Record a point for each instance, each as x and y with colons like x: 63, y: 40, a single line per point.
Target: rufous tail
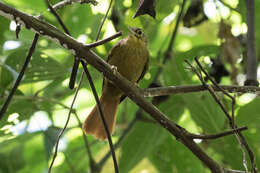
x: 93, y: 123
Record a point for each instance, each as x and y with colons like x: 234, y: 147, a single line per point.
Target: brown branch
x: 215, y: 136
x: 168, y: 90
x: 103, y: 21
x: 100, y: 42
x: 69, y: 2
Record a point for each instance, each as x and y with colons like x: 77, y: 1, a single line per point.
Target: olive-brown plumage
x: 130, y: 56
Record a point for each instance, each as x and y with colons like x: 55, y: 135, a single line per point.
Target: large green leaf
x: 12, y: 153
x: 172, y: 156
x: 145, y: 137
x: 12, y: 161
x: 4, y: 27
x: 25, y: 108
x: 81, y: 20
x: 230, y: 150
x: 50, y: 138
x: 140, y: 142
x: 28, y: 5
x: 205, y: 112
x: 40, y: 67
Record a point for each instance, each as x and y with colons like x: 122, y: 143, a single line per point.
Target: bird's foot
x: 114, y: 69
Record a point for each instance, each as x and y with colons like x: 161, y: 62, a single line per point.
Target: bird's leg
x: 114, y: 69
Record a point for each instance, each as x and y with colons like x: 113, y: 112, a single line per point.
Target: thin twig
x: 64, y: 128
x: 51, y: 140
x: 216, y: 85
x: 235, y: 171
x: 100, y: 42
x: 211, y: 91
x: 20, y: 76
x: 103, y: 21
x: 168, y: 90
x: 69, y: 2
x: 101, y: 115
x: 57, y: 17
x: 232, y: 120
x: 215, y: 136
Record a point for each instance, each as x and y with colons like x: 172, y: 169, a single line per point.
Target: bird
x: 130, y: 57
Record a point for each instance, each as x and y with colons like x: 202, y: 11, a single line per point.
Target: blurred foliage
x: 39, y: 108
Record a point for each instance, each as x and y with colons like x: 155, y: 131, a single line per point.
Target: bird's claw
x: 114, y: 69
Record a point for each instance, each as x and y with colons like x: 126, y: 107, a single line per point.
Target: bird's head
x: 138, y: 34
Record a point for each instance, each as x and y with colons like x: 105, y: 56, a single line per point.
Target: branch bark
x: 168, y: 90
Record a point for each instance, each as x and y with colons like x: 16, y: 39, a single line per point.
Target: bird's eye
x: 139, y: 32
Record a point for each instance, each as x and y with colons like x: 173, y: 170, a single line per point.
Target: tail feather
x: 93, y: 123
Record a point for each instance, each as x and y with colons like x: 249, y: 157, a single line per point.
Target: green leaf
x: 40, y: 67
x: 140, y: 142
x: 50, y: 138
x: 12, y: 161
x: 145, y: 137
x: 25, y: 108
x: 6, y: 77
x: 4, y: 27
x: 205, y: 112
x: 34, y: 155
x: 80, y: 17
x: 172, y: 156
x: 28, y: 5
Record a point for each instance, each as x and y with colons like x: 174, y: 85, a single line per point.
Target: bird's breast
x: 133, y: 58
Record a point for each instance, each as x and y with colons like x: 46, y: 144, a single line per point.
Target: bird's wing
x: 110, y: 54
x: 146, y: 66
